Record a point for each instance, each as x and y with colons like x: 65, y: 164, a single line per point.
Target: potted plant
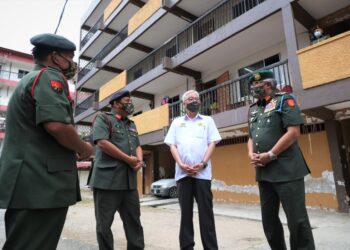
x: 214, y: 107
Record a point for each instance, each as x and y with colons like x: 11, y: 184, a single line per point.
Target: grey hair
x: 187, y: 93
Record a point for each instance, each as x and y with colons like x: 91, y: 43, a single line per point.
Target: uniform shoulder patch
x: 291, y: 102
x: 56, y: 86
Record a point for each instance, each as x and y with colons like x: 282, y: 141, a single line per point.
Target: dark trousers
x: 188, y: 189
x: 127, y: 203
x: 292, y: 197
x: 33, y: 229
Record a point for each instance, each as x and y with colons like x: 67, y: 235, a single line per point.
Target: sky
x: 22, y: 19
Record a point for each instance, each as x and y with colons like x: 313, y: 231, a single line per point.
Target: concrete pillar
x: 334, y: 136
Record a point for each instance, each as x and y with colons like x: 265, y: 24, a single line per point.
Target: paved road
x: 238, y: 227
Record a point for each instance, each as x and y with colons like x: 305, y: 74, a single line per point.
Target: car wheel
x: 173, y: 192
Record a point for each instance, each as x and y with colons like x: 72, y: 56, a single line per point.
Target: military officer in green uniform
x: 38, y: 174
x: 118, y: 158
x: 274, y: 127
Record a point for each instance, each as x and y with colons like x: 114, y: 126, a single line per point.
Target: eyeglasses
x: 191, y: 99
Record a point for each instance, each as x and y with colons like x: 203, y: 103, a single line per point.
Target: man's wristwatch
x: 272, y: 156
x: 205, y: 164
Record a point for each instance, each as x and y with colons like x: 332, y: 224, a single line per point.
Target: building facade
x: 158, y: 49
x: 13, y: 66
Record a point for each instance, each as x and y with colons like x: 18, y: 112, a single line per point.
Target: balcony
x: 202, y: 27
x: 232, y: 94
x: 152, y: 120
x: 326, y: 61
x: 87, y: 103
x: 93, y: 63
x: 112, y: 86
x: 98, y: 25
x: 143, y: 14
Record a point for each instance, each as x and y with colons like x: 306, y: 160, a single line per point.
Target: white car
x: 164, y: 187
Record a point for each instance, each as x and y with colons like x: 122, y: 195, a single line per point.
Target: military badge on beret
x: 56, y: 86
x: 257, y: 77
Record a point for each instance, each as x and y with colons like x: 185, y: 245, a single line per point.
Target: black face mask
x: 258, y: 92
x: 128, y: 108
x: 193, y: 106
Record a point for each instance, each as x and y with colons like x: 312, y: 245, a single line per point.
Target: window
x: 22, y: 73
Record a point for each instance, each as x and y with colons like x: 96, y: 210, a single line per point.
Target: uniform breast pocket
x: 117, y: 135
x: 252, y: 121
x: 133, y: 137
x: 271, y: 119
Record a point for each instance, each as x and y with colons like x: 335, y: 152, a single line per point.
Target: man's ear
x: 54, y: 56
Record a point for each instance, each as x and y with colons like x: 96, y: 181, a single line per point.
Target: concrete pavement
x: 331, y: 229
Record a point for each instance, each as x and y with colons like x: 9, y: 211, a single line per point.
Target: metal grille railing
x: 86, y: 104
x: 152, y: 60
x: 202, y: 27
x: 91, y: 32
x: 215, y: 19
x: 104, y: 52
x: 233, y: 93
x: 84, y: 131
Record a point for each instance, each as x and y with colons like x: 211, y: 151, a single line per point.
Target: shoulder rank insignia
x: 56, y: 86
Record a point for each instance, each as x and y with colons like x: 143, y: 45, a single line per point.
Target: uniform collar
x: 266, y: 100
x: 118, y: 116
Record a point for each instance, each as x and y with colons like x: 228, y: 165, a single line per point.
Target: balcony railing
x: 152, y: 60
x: 86, y: 104
x: 120, y: 37
x: 212, y: 21
x: 202, y: 27
x: 91, y: 32
x: 233, y: 93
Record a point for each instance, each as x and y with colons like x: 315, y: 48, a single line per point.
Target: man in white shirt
x: 192, y: 139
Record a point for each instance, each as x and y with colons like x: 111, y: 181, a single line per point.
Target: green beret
x: 119, y: 95
x: 52, y: 41
x: 261, y: 75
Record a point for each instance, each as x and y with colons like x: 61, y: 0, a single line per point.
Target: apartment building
x: 13, y: 66
x: 158, y: 49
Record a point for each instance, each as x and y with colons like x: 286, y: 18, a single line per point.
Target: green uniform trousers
x: 291, y: 195
x: 127, y: 203
x: 33, y: 229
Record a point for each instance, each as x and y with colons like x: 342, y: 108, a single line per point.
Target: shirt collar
x: 198, y: 116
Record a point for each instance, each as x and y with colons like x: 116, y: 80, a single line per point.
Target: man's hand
x: 139, y: 165
x: 188, y: 169
x: 254, y: 159
x: 132, y: 161
x: 197, y: 167
x: 264, y: 158
x: 259, y: 160
x: 86, y: 151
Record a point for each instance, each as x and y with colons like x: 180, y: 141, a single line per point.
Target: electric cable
x: 59, y: 21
